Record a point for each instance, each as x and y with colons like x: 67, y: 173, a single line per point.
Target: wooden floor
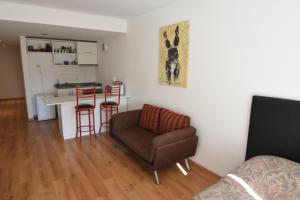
x: 35, y: 163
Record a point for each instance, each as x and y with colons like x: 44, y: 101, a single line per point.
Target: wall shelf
x: 66, y: 52
x: 39, y: 45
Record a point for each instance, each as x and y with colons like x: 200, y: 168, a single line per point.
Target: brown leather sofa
x: 158, y: 150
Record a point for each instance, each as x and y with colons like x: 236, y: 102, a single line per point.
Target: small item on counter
x: 30, y: 48
x: 48, y: 48
x: 117, y: 83
x: 66, y: 62
x: 73, y: 62
x: 39, y: 47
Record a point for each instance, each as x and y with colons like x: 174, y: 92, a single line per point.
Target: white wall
x: 238, y: 48
x: 43, y: 74
x: 26, y: 77
x: 114, y: 60
x: 11, y: 79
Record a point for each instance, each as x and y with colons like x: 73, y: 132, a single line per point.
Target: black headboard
x: 274, y: 128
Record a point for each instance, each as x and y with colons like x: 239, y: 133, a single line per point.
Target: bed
x: 271, y: 170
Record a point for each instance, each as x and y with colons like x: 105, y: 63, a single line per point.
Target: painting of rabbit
x: 174, y: 54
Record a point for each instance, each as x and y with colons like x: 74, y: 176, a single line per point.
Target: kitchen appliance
x: 44, y: 112
x: 122, y: 92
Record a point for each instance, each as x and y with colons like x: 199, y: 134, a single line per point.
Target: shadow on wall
x: 11, y: 77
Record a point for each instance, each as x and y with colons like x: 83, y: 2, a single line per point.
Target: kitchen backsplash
x: 75, y: 74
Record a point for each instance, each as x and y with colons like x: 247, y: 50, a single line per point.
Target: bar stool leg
x: 93, y: 119
x: 110, y: 114
x: 106, y: 118
x: 80, y: 131
x: 100, y: 119
x: 89, y: 114
x: 76, y: 124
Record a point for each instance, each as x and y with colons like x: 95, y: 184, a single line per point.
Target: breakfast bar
x: 67, y: 117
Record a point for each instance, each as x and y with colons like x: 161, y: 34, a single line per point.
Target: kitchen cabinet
x: 64, y: 52
x: 87, y: 53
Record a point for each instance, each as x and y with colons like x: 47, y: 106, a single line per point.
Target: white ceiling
x: 11, y: 31
x: 114, y: 8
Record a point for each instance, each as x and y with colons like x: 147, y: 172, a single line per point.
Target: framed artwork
x: 174, y: 54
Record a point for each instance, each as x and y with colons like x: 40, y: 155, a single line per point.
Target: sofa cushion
x: 170, y: 121
x: 150, y: 118
x: 137, y: 139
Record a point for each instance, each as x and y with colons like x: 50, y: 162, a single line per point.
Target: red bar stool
x: 110, y: 106
x: 85, y: 109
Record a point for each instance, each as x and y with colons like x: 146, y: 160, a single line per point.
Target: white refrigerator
x: 44, y: 112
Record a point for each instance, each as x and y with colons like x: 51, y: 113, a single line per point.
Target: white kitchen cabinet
x: 87, y: 53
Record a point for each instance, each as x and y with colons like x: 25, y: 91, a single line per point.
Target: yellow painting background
x: 183, y: 49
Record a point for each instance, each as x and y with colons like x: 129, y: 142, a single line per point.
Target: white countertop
x: 49, y: 101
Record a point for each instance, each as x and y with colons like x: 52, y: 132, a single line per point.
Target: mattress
x: 262, y: 177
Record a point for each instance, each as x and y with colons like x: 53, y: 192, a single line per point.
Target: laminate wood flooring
x: 36, y: 164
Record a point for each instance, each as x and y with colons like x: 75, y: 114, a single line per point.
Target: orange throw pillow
x: 170, y: 121
x: 150, y: 118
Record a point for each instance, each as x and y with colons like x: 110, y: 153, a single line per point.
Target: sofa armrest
x: 124, y: 119
x: 171, y: 137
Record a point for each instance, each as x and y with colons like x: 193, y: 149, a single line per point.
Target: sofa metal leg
x: 157, y: 182
x: 186, y: 161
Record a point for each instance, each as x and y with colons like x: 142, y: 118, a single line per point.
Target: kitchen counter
x: 67, y: 117
x: 50, y: 101
x: 69, y: 89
